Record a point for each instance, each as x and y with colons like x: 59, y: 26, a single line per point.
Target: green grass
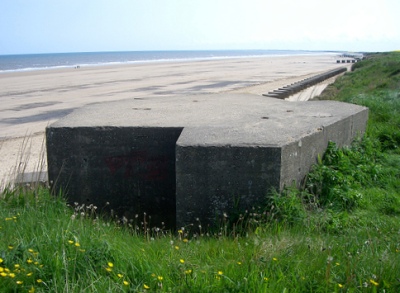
x: 340, y: 233
x: 43, y: 239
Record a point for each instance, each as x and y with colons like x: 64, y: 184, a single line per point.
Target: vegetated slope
x: 374, y: 83
x: 363, y: 179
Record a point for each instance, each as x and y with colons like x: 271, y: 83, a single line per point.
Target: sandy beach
x: 32, y: 100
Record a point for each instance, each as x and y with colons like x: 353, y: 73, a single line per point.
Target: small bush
x: 336, y: 180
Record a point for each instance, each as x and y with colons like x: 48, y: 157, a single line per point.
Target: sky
x: 56, y: 26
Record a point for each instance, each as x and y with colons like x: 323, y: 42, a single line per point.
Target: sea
x: 30, y: 62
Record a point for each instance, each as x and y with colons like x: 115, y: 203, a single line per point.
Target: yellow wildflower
x: 19, y: 282
x: 220, y: 273
x: 160, y: 278
x: 29, y: 261
x: 1, y: 260
x: 274, y: 259
x: 182, y: 260
x: 29, y: 274
x: 188, y: 272
x: 3, y: 274
x: 31, y: 290
x: 77, y: 244
x: 110, y: 264
x: 373, y: 282
x: 146, y: 287
x: 39, y: 281
x: 11, y: 275
x: 126, y: 283
x: 120, y: 275
x: 70, y: 242
x: 340, y: 285
x: 177, y: 247
x: 185, y: 240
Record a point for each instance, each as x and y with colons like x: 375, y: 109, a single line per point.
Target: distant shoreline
x: 38, y: 62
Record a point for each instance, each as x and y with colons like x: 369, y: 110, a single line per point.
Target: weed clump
x: 341, y: 174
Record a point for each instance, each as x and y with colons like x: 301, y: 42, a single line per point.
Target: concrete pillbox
x: 187, y: 157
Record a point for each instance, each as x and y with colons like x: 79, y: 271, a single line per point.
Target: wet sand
x: 32, y: 100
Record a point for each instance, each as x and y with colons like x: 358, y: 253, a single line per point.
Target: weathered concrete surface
x: 190, y: 157
x: 132, y: 169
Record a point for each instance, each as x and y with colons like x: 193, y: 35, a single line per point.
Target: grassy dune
x: 340, y: 233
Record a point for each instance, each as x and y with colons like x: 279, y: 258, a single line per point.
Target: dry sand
x: 32, y: 100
